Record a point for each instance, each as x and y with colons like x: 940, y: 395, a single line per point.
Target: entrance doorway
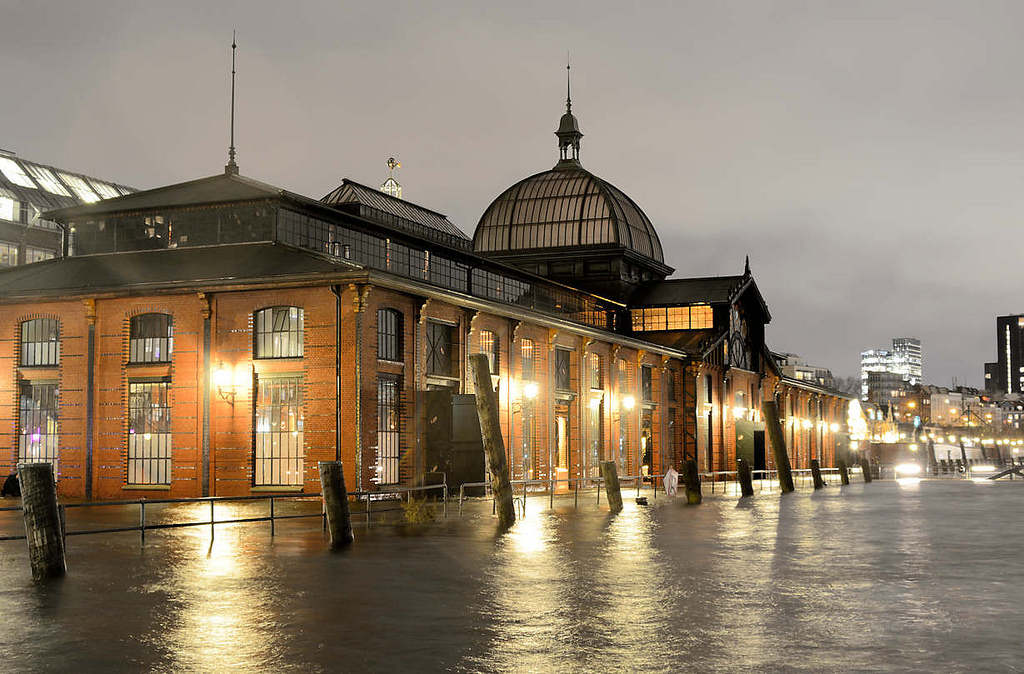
x: 759, y: 459
x: 563, y: 454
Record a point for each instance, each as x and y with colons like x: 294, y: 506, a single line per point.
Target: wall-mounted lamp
x: 224, y: 381
x: 628, y: 402
x: 530, y: 390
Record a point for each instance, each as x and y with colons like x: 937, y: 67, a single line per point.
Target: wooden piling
x: 611, y: 485
x: 339, y: 522
x: 844, y: 472
x: 816, y: 474
x: 770, y: 412
x: 42, y: 520
x: 692, y: 478
x: 746, y: 480
x: 865, y: 468
x: 494, y: 444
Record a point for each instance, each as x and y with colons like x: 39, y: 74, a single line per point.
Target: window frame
x: 297, y: 448
x: 437, y: 358
x: 263, y: 338
x: 39, y: 417
x: 34, y: 327
x: 145, y: 344
x: 156, y: 453
x: 390, y: 335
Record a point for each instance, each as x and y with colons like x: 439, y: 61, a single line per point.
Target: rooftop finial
x: 746, y: 267
x: 391, y: 186
x: 568, y: 85
x: 232, y: 167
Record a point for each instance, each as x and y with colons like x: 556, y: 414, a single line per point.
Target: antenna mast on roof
x: 232, y: 168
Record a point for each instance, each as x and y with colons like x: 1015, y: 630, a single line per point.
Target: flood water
x: 921, y: 576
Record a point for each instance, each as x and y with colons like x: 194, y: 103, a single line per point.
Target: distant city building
x: 904, y: 359
x: 1006, y: 375
x: 27, y: 189
x: 794, y: 367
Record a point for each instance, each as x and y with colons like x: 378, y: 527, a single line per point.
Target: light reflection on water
x: 881, y: 576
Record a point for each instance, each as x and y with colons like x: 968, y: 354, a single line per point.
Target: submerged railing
x: 272, y: 516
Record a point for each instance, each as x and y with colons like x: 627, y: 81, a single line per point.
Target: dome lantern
x: 568, y: 133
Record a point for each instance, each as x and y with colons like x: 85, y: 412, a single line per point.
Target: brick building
x: 221, y: 336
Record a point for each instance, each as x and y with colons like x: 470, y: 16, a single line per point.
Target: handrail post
x: 368, y: 501
x: 551, y: 494
x: 272, y: 516
x: 445, y: 497
x: 211, y: 521
x: 576, y: 497
x: 142, y: 520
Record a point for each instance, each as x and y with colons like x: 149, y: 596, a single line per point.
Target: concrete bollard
x: 772, y: 423
x: 42, y: 520
x: 816, y: 474
x: 746, y: 480
x: 494, y: 444
x: 866, y: 469
x: 339, y: 520
x: 692, y: 478
x: 844, y: 473
x: 611, y: 485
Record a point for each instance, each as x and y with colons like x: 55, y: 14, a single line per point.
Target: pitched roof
x: 709, y: 289
x: 168, y: 267
x: 404, y: 214
x: 213, y: 189
x: 47, y: 187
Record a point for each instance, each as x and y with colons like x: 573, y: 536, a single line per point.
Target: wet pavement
x: 913, y: 576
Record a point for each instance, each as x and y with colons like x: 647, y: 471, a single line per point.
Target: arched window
x: 40, y: 342
x: 278, y: 333
x: 489, y: 345
x: 389, y: 335
x: 150, y: 339
x: 529, y: 353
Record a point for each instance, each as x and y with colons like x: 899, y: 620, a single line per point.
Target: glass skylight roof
x: 14, y: 173
x: 80, y: 187
x: 47, y: 180
x: 106, y: 191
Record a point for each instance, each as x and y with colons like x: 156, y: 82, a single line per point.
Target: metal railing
x: 573, y: 486
x: 272, y: 516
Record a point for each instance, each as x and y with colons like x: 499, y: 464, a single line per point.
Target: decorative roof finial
x: 232, y: 167
x: 746, y: 267
x: 391, y: 186
x: 568, y: 128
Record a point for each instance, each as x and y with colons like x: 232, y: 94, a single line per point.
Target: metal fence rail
x: 272, y: 516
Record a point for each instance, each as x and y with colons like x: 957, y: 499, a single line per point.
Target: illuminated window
x: 389, y: 430
x: 529, y: 353
x: 389, y: 335
x: 596, y: 371
x: 13, y: 172
x: 279, y: 333
x: 47, y: 180
x: 149, y: 433
x: 8, y: 254
x: 701, y: 317
x: 79, y: 187
x: 696, y: 317
x: 33, y: 254
x: 678, y: 318
x: 489, y: 345
x: 6, y: 208
x: 150, y: 339
x: 279, y: 450
x: 104, y: 190
x: 646, y: 382
x: 40, y: 342
x: 562, y: 379
x: 37, y: 423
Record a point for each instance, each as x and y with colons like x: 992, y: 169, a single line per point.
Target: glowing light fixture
x: 908, y: 469
x: 628, y: 402
x: 530, y: 390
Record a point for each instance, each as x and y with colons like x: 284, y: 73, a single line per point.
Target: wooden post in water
x: 692, y: 477
x: 844, y: 472
x: 42, y: 520
x: 816, y: 474
x: 611, y: 485
x: 865, y: 468
x: 770, y: 412
x: 494, y: 444
x: 746, y: 481
x: 339, y: 522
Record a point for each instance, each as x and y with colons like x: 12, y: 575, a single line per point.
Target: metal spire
x: 232, y: 167
x: 568, y: 85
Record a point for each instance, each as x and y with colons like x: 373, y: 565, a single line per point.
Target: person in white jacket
x: 671, y: 482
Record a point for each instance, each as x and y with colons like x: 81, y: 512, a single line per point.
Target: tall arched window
x: 389, y: 335
x: 150, y: 339
x: 489, y: 346
x: 278, y: 333
x: 40, y: 342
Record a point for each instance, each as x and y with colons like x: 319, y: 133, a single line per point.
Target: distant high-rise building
x: 904, y: 359
x: 1006, y: 375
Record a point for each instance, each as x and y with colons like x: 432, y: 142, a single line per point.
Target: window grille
x: 440, y: 349
x: 8, y: 254
x: 149, y: 433
x: 596, y: 371
x: 37, y: 423
x: 389, y: 335
x: 489, y: 345
x: 279, y: 333
x: 646, y: 383
x: 670, y: 382
x: 389, y: 430
x: 279, y: 448
x: 150, y: 339
x: 40, y: 342
x: 529, y: 364
x: 562, y: 379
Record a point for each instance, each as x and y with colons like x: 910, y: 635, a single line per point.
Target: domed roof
x: 567, y: 206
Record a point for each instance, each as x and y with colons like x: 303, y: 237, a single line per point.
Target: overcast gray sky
x: 866, y: 155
